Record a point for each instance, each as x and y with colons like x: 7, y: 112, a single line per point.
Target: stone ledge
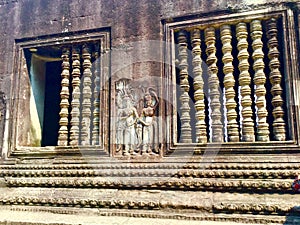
x: 153, y: 201
x: 152, y: 183
x: 66, y: 216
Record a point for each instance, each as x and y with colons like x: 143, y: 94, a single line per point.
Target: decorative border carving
x: 252, y: 208
x: 138, y: 166
x: 255, y: 186
x: 254, y: 219
x: 177, y: 173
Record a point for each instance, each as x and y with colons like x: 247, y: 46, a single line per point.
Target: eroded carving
x: 136, y: 130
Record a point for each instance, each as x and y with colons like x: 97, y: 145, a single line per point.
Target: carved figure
x: 149, y: 143
x: 127, y: 135
x: 127, y: 117
x: 136, y: 126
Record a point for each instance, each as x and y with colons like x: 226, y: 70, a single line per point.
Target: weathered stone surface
x: 230, y: 184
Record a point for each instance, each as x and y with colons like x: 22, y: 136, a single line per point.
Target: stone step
x: 163, y: 202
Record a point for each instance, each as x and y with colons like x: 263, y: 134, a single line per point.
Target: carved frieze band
x: 140, y: 213
x: 252, y: 208
x: 256, y: 186
x: 117, y: 172
x: 278, y: 167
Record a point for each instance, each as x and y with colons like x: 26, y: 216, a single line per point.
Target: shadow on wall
x: 294, y: 216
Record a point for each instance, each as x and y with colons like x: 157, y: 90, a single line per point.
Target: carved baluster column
x: 229, y: 82
x: 259, y: 81
x: 244, y: 83
x: 275, y: 79
x: 75, y: 103
x: 201, y: 135
x: 64, y: 96
x: 86, y: 95
x: 96, y: 103
x: 184, y: 88
x: 213, y: 83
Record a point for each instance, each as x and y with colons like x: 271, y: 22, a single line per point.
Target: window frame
x: 290, y: 77
x: 102, y: 36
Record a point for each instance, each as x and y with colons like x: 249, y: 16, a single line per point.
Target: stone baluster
x: 75, y: 103
x: 213, y: 84
x: 259, y: 81
x: 229, y: 82
x: 86, y: 96
x: 201, y: 136
x: 244, y: 83
x: 184, y: 88
x: 64, y: 96
x: 96, y: 103
x: 275, y: 79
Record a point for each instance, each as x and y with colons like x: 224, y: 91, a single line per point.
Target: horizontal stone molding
x: 253, y: 219
x: 184, y: 164
x: 157, y: 172
x: 227, y: 185
x: 235, y: 208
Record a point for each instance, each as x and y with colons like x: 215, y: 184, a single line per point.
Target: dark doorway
x: 51, y: 105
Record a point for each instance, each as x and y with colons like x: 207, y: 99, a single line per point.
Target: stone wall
x: 130, y: 21
x: 136, y: 28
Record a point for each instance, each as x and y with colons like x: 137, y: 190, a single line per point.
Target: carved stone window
x: 234, y: 75
x: 60, y: 94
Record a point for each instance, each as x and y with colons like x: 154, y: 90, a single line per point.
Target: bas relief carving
x: 136, y: 126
